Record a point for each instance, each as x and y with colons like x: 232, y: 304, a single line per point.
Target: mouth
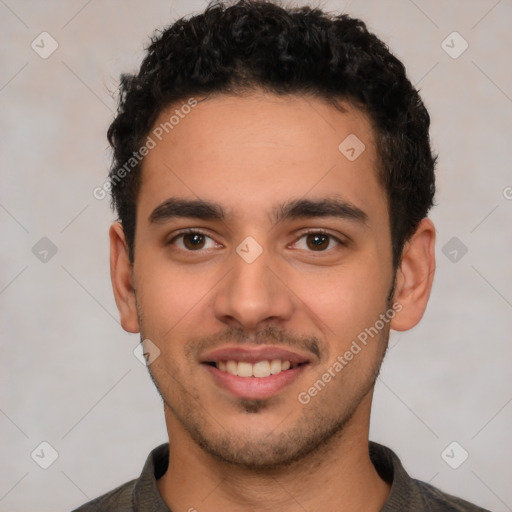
x: 254, y: 373
x: 259, y: 370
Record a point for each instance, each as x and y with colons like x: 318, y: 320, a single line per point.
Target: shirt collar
x: 146, y: 495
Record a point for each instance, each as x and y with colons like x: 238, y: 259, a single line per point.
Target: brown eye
x: 194, y: 241
x: 317, y: 241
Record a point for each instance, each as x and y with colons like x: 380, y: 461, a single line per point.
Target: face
x: 262, y: 252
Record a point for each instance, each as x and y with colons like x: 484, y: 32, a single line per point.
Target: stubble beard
x: 310, y: 436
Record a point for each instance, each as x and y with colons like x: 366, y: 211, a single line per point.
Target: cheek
x: 347, y: 301
x: 168, y: 297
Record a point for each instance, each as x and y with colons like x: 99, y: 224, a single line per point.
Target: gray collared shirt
x: 407, y: 494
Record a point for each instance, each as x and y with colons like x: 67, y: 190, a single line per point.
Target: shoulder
x: 118, y: 500
x: 407, y: 493
x: 433, y: 499
x: 137, y: 494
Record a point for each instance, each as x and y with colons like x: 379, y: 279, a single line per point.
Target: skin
x: 250, y: 156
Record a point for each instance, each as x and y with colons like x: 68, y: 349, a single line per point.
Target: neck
x: 340, y: 472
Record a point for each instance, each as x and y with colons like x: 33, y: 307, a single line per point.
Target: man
x: 272, y: 176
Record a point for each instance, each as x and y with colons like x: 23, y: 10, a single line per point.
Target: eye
x: 317, y: 241
x: 193, y: 241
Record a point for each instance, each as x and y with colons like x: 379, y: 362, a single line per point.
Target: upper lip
x: 253, y: 355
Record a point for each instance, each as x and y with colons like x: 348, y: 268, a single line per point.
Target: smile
x: 260, y: 369
x: 254, y: 372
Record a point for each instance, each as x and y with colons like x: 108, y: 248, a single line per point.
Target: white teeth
x: 260, y: 369
x: 244, y: 369
x: 275, y: 366
x: 232, y: 367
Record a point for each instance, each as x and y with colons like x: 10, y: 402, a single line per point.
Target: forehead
x: 259, y: 150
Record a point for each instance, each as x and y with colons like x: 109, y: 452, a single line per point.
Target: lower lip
x: 255, y: 388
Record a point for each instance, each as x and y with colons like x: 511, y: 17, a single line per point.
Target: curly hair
x: 258, y: 45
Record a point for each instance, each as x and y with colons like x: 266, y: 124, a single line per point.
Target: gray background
x: 69, y: 376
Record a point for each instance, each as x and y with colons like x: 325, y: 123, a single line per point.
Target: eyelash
x: 339, y: 242
x: 190, y: 231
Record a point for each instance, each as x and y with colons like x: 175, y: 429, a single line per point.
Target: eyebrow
x: 173, y: 208
x: 307, y: 208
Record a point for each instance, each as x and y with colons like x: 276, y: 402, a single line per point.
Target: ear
x: 121, y: 275
x: 414, y: 277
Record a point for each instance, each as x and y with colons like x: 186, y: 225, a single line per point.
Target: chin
x: 265, y: 449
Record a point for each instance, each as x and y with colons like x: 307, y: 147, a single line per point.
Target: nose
x: 253, y: 296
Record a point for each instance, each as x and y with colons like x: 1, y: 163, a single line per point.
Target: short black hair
x: 256, y: 45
